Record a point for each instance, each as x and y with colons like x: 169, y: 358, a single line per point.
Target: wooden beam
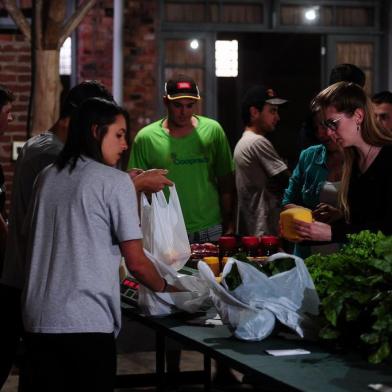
x: 18, y: 17
x: 75, y: 19
x: 56, y: 14
x: 38, y: 24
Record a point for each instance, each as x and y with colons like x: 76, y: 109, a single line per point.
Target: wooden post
x: 47, y: 89
x: 51, y: 30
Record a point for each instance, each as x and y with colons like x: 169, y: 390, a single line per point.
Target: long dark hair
x: 6, y: 96
x: 87, y: 128
x: 79, y: 93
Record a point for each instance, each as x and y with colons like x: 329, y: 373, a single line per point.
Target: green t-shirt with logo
x: 194, y: 162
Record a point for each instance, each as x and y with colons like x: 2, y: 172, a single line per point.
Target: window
x: 327, y: 15
x: 66, y: 57
x: 214, y: 11
x: 183, y: 56
x: 360, y: 54
x: 226, y: 58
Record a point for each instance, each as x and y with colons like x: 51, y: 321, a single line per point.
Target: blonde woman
x: 366, y: 188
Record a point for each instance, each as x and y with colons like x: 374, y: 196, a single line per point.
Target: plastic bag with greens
x: 253, y: 301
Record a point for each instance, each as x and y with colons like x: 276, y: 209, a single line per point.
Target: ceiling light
x: 194, y: 44
x: 311, y: 14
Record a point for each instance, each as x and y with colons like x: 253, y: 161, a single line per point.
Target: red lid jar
x: 269, y: 240
x: 251, y: 245
x: 227, y: 246
x: 228, y: 242
x: 269, y: 244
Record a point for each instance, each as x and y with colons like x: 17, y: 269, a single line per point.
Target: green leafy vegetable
x: 233, y: 278
x: 278, y: 266
x: 355, y: 289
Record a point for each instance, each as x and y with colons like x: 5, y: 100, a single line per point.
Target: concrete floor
x: 144, y: 362
x: 136, y: 354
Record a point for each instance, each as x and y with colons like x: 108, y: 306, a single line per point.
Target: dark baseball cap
x: 181, y: 86
x: 257, y: 95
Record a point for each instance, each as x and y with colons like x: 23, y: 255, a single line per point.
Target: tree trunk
x: 47, y: 89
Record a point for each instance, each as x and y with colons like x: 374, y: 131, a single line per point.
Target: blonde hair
x: 347, y: 97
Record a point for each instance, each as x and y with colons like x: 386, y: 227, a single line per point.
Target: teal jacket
x: 308, y: 178
x: 305, y: 185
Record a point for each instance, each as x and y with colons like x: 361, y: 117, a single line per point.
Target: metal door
x: 362, y: 51
x: 193, y: 55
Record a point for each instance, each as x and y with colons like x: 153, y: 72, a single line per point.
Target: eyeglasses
x: 331, y: 124
x: 381, y: 116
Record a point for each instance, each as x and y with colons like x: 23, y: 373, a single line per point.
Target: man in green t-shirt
x: 195, y: 151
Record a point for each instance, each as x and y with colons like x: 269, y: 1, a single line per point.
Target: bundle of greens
x: 233, y: 278
x: 279, y: 265
x: 355, y: 290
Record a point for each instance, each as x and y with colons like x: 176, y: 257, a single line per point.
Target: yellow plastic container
x: 213, y: 263
x: 286, y: 221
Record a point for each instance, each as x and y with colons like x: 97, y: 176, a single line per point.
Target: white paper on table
x: 281, y: 353
x: 214, y: 321
x: 380, y: 387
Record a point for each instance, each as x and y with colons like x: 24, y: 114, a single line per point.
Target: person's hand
x: 326, y: 213
x: 172, y: 289
x: 314, y: 231
x: 149, y: 181
x: 134, y: 172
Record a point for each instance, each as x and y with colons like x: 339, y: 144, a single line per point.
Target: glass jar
x: 250, y: 245
x: 213, y: 263
x: 227, y: 248
x: 269, y: 244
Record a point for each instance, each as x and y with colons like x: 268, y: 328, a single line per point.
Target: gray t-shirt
x: 73, y: 254
x: 37, y: 153
x: 256, y: 160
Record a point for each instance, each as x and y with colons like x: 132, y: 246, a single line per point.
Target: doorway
x: 291, y: 65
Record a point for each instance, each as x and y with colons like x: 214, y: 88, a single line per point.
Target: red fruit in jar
x: 195, y: 246
x: 210, y: 246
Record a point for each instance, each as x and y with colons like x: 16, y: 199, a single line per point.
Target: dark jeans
x: 76, y: 362
x: 11, y: 328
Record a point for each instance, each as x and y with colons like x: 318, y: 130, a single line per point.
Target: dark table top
x: 321, y: 370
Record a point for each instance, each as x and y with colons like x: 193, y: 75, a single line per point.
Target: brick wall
x: 95, y: 39
x: 140, y: 62
x: 14, y: 74
x: 94, y: 61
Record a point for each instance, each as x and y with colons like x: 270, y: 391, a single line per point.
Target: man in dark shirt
x: 382, y: 105
x: 6, y: 99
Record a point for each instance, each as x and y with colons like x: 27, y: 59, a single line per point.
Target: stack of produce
x: 198, y: 251
x: 355, y: 290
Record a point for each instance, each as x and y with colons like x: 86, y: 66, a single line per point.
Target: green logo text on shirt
x: 190, y: 161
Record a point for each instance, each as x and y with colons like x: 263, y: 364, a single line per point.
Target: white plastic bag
x: 248, y: 322
x: 166, y: 244
x: 194, y: 295
x: 252, y: 307
x: 163, y: 227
